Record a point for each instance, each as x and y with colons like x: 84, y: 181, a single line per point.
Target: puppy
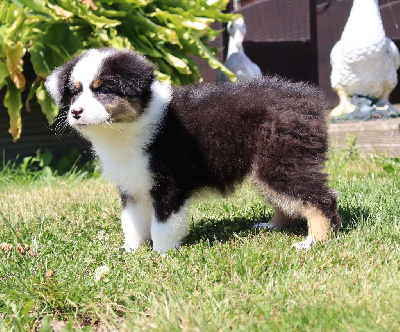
x: 161, y: 144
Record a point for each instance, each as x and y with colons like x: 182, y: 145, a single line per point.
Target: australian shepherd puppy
x: 160, y: 144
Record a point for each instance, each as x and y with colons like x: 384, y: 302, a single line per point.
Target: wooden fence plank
x: 379, y: 136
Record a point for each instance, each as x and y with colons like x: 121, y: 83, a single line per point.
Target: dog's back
x: 216, y: 135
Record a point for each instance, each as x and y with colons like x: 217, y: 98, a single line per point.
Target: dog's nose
x: 76, y: 113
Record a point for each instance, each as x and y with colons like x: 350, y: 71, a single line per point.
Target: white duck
x: 236, y: 60
x: 364, y: 61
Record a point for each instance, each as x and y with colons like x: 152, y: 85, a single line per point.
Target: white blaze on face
x: 84, y: 74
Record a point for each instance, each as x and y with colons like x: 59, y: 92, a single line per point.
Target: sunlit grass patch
x: 60, y: 262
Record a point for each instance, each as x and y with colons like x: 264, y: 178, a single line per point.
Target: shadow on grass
x: 223, y: 230
x: 353, y: 217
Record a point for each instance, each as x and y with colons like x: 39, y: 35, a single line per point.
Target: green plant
x: 44, y: 165
x: 40, y: 162
x: 168, y: 32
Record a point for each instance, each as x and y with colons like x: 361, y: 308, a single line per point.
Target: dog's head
x: 102, y: 85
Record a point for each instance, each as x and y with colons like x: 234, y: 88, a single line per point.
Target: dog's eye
x: 74, y: 91
x: 103, y: 91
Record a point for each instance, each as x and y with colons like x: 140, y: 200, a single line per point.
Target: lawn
x: 60, y: 265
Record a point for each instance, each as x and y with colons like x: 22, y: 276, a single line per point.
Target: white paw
x: 163, y: 248
x: 306, y: 244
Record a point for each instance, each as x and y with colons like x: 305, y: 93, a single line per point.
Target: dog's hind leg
x: 319, y: 208
x: 318, y: 226
x: 322, y: 219
x: 135, y: 221
x: 282, y: 220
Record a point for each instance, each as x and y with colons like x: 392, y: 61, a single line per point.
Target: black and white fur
x: 160, y: 144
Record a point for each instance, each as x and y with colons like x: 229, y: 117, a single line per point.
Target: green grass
x: 227, y: 276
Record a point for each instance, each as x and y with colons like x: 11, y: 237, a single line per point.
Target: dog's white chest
x: 128, y: 168
x: 122, y: 158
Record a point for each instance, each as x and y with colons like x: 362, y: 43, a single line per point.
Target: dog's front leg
x: 135, y: 221
x: 168, y: 234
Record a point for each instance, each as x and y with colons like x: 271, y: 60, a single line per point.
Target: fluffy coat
x: 160, y: 144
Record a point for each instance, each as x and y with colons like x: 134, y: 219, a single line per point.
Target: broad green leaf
x: 3, y: 11
x: 61, y: 11
x: 53, y: 47
x: 3, y: 72
x: 31, y: 94
x: 144, y: 46
x: 84, y: 12
x: 133, y: 3
x: 164, y: 67
x: 48, y: 107
x: 219, y: 3
x: 37, y: 6
x: 157, y: 31
x: 168, y: 32
x: 206, y: 54
x: 111, y: 38
x: 46, y: 327
x: 70, y: 326
x: 45, y: 159
x: 86, y: 329
x: 192, y: 69
x: 112, y: 13
x: 100, y: 21
x: 164, y: 77
x: 14, y: 54
x: 24, y: 313
x: 196, y: 25
x: 179, y: 64
x: 9, y: 13
x: 13, y: 21
x: 89, y: 16
x: 12, y: 101
x: 221, y: 16
x: 165, y: 16
x: 183, y: 19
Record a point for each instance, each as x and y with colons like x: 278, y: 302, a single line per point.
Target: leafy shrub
x: 168, y: 32
x: 44, y: 165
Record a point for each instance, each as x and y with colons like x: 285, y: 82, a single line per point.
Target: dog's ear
x: 132, y: 72
x: 57, y: 82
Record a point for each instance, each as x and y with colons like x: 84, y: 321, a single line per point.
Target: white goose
x: 364, y: 61
x: 236, y: 60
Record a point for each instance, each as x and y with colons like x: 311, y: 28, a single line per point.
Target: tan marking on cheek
x: 77, y: 86
x: 124, y: 110
x: 96, y: 84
